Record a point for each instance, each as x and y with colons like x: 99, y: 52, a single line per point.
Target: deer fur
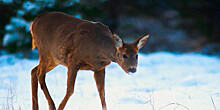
x: 79, y: 45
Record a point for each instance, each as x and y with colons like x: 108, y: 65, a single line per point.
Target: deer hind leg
x: 45, y: 66
x: 71, y: 77
x: 34, y: 87
x: 100, y: 83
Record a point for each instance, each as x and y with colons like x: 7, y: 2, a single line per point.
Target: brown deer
x: 79, y: 45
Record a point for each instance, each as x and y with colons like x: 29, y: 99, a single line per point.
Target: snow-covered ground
x: 164, y: 81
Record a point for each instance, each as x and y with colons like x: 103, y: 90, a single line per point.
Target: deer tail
x: 33, y: 41
x: 33, y: 44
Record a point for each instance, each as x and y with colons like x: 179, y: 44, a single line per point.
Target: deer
x: 77, y: 44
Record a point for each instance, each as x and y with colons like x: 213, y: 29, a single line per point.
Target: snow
x: 20, y: 22
x: 13, y: 35
x: 77, y: 16
x: 164, y: 81
x: 6, y: 1
x: 29, y: 6
x: 8, y: 38
x: 9, y: 27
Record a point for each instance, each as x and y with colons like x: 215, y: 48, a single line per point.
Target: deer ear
x: 141, y: 41
x: 117, y: 41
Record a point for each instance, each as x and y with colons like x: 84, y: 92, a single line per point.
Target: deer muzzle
x: 132, y: 70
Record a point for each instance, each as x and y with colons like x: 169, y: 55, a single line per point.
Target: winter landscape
x: 163, y: 81
x: 178, y: 68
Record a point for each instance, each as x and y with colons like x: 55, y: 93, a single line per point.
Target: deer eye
x: 124, y: 56
x: 136, y: 56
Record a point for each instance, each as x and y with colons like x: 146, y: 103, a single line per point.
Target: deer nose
x: 132, y: 70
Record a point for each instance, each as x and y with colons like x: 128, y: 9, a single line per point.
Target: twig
x: 213, y: 102
x: 150, y: 101
x: 174, y: 104
x: 176, y: 107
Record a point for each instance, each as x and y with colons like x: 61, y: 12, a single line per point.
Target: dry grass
x: 150, y: 101
x: 8, y: 104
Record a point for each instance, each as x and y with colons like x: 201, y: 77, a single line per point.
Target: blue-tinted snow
x: 77, y: 16
x: 9, y: 27
x: 16, y: 22
x: 20, y: 22
x: 9, y: 37
x: 6, y: 1
x: 27, y: 6
x: 162, y: 78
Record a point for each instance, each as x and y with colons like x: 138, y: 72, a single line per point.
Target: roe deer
x: 79, y: 45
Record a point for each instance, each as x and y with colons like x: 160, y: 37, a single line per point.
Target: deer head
x: 127, y: 53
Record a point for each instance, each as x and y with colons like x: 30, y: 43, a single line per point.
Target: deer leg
x: 34, y: 87
x: 100, y: 83
x: 44, y: 68
x: 71, y: 77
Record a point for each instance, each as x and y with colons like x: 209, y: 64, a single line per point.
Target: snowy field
x: 164, y: 81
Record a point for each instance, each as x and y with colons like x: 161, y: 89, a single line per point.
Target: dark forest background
x: 174, y: 25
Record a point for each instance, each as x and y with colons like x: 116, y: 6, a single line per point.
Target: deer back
x: 61, y: 35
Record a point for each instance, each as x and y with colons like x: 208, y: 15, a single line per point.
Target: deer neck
x: 112, y: 54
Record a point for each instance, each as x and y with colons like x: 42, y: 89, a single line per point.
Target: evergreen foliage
x: 16, y: 16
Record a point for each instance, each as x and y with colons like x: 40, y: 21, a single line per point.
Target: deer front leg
x: 100, y: 83
x: 71, y: 76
